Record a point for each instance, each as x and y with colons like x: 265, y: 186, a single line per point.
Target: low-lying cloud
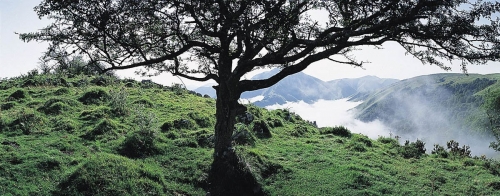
x: 329, y: 113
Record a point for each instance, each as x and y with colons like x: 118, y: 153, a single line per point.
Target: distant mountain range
x: 303, y: 87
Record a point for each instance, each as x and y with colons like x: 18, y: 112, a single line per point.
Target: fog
x: 328, y: 113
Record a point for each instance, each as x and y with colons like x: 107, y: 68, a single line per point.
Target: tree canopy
x: 167, y: 35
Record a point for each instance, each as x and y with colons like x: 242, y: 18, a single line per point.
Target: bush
x: 7, y: 105
x: 183, y: 124
x: 118, y: 101
x: 455, y: 149
x: 18, y: 95
x: 94, y: 96
x: 201, y: 120
x: 388, y: 140
x: 337, y: 130
x: 261, y: 129
x: 62, y: 91
x: 412, y: 150
x: 439, y: 151
x: 186, y: 142
x: 141, y: 143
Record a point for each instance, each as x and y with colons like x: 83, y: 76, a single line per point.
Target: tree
x: 229, y: 38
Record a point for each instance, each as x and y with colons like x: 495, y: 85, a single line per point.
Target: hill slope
x: 101, y: 136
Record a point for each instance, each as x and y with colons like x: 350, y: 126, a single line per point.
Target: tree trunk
x: 228, y: 176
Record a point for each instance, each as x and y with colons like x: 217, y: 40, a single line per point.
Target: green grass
x: 73, y: 136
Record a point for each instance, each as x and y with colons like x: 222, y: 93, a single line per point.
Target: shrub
x: 242, y: 136
x: 202, y: 121
x: 439, y: 151
x: 7, y: 105
x: 18, y: 95
x: 94, y: 96
x: 48, y: 163
x: 412, y: 150
x: 337, y: 130
x: 183, y: 124
x: 141, y: 142
x: 388, y: 140
x: 118, y: 101
x: 261, y: 129
x: 62, y: 91
x: 455, y: 149
x: 299, y: 130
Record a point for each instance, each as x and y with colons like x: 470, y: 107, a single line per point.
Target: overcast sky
x: 17, y: 57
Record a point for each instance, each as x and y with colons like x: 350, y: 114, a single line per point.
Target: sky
x: 18, y: 57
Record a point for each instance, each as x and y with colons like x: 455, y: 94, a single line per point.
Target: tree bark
x: 228, y: 175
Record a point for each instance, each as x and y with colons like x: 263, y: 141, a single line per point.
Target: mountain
x: 433, y: 105
x: 303, y: 87
x: 98, y: 135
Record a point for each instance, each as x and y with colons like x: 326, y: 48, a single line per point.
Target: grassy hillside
x: 98, y: 135
x: 443, y: 102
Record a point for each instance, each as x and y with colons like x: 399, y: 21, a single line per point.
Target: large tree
x: 223, y: 40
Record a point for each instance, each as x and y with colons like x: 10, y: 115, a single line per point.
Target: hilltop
x: 99, y: 135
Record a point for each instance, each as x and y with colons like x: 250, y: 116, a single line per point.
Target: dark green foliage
x: 183, y: 124
x: 96, y: 113
x: 107, y: 174
x: 412, y: 149
x: 62, y: 91
x: 275, y: 122
x: 48, y: 163
x: 103, y: 80
x: 64, y: 124
x: 105, y: 127
x: 139, y: 144
x: 337, y: 130
x: 142, y: 142
x: 201, y: 120
x: 455, y: 149
x: 439, y: 151
x: 18, y: 95
x: 388, y: 140
x: 261, y: 129
x: 94, y: 96
x: 205, y: 138
x: 300, y: 131
x: 56, y: 106
x: 167, y: 126
x: 7, y: 105
x: 242, y: 136
x: 186, y: 142
x: 28, y: 122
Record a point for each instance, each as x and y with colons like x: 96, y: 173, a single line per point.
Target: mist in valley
x: 430, y: 123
